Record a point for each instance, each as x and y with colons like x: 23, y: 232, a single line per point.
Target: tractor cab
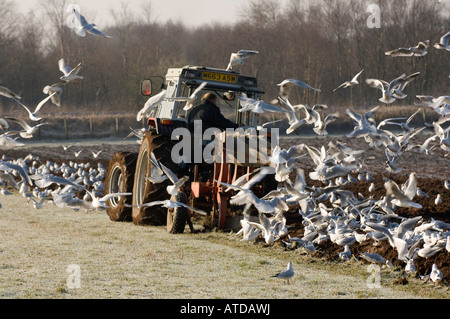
x: 182, y: 82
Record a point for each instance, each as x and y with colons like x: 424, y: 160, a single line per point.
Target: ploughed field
x: 431, y: 171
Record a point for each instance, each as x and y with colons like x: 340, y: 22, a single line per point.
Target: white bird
x: 285, y: 86
x: 96, y: 154
x: 8, y: 93
x: 286, y: 274
x: 34, y: 115
x: 447, y: 184
x: 294, y: 121
x: 436, y: 274
x: 372, y: 187
x: 419, y: 50
x: 410, y: 268
x: 57, y: 89
x: 28, y: 131
x: 238, y: 58
x: 177, y: 182
x: 438, y: 200
x: 396, y: 196
x: 387, y: 89
x: 100, y: 202
x: 346, y: 254
x: 373, y: 258
x: 83, y: 27
x: 320, y: 128
x: 172, y: 204
x: 257, y: 106
x: 151, y: 105
x: 69, y: 73
x: 37, y: 204
x: 7, y: 140
x: 190, y: 100
x: 352, y: 82
x: 443, y: 42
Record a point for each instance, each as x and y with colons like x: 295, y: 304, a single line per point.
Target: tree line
x: 322, y: 43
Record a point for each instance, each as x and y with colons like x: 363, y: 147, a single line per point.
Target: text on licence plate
x: 212, y: 76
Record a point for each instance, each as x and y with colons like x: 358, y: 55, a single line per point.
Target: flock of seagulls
x: 328, y: 212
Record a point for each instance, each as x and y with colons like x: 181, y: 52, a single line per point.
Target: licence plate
x: 212, y: 76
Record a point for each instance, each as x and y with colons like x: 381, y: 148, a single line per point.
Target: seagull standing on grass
x: 286, y: 274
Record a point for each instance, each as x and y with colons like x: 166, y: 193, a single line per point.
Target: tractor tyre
x: 177, y: 217
x: 144, y: 190
x: 120, y: 179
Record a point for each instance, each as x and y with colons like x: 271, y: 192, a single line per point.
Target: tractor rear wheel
x: 120, y: 179
x: 144, y: 190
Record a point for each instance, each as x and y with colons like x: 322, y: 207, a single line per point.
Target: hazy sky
x: 191, y: 12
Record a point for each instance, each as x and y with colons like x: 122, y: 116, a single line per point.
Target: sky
x: 192, y: 13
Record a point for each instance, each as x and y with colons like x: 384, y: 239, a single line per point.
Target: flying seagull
x: 8, y: 93
x: 84, y: 26
x: 190, y: 99
x: 419, y: 50
x: 350, y: 83
x: 69, y: 73
x: 285, y: 85
x: 238, y: 58
x: 443, y: 42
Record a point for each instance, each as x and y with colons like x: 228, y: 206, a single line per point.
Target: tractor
x: 131, y: 172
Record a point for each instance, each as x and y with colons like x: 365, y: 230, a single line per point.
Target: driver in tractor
x: 209, y: 113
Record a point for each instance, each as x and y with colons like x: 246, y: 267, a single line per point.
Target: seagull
x: 28, y: 130
x: 320, y: 128
x: 96, y: 154
x: 34, y: 115
x: 420, y: 50
x: 373, y: 258
x: 285, y: 85
x: 190, y: 99
x: 151, y: 105
x: 157, y: 175
x: 172, y: 204
x: 57, y: 89
x: 8, y: 93
x: 11, y: 167
x: 257, y: 106
x: 294, y: 121
x: 438, y: 200
x: 443, y: 42
x: 410, y: 268
x: 387, y: 88
x: 98, y: 202
x: 346, y: 254
x: 177, y: 183
x: 436, y: 274
x: 84, y: 26
x: 238, y: 58
x: 397, y: 197
x: 286, y: 274
x: 77, y: 153
x: 69, y: 73
x: 350, y: 83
